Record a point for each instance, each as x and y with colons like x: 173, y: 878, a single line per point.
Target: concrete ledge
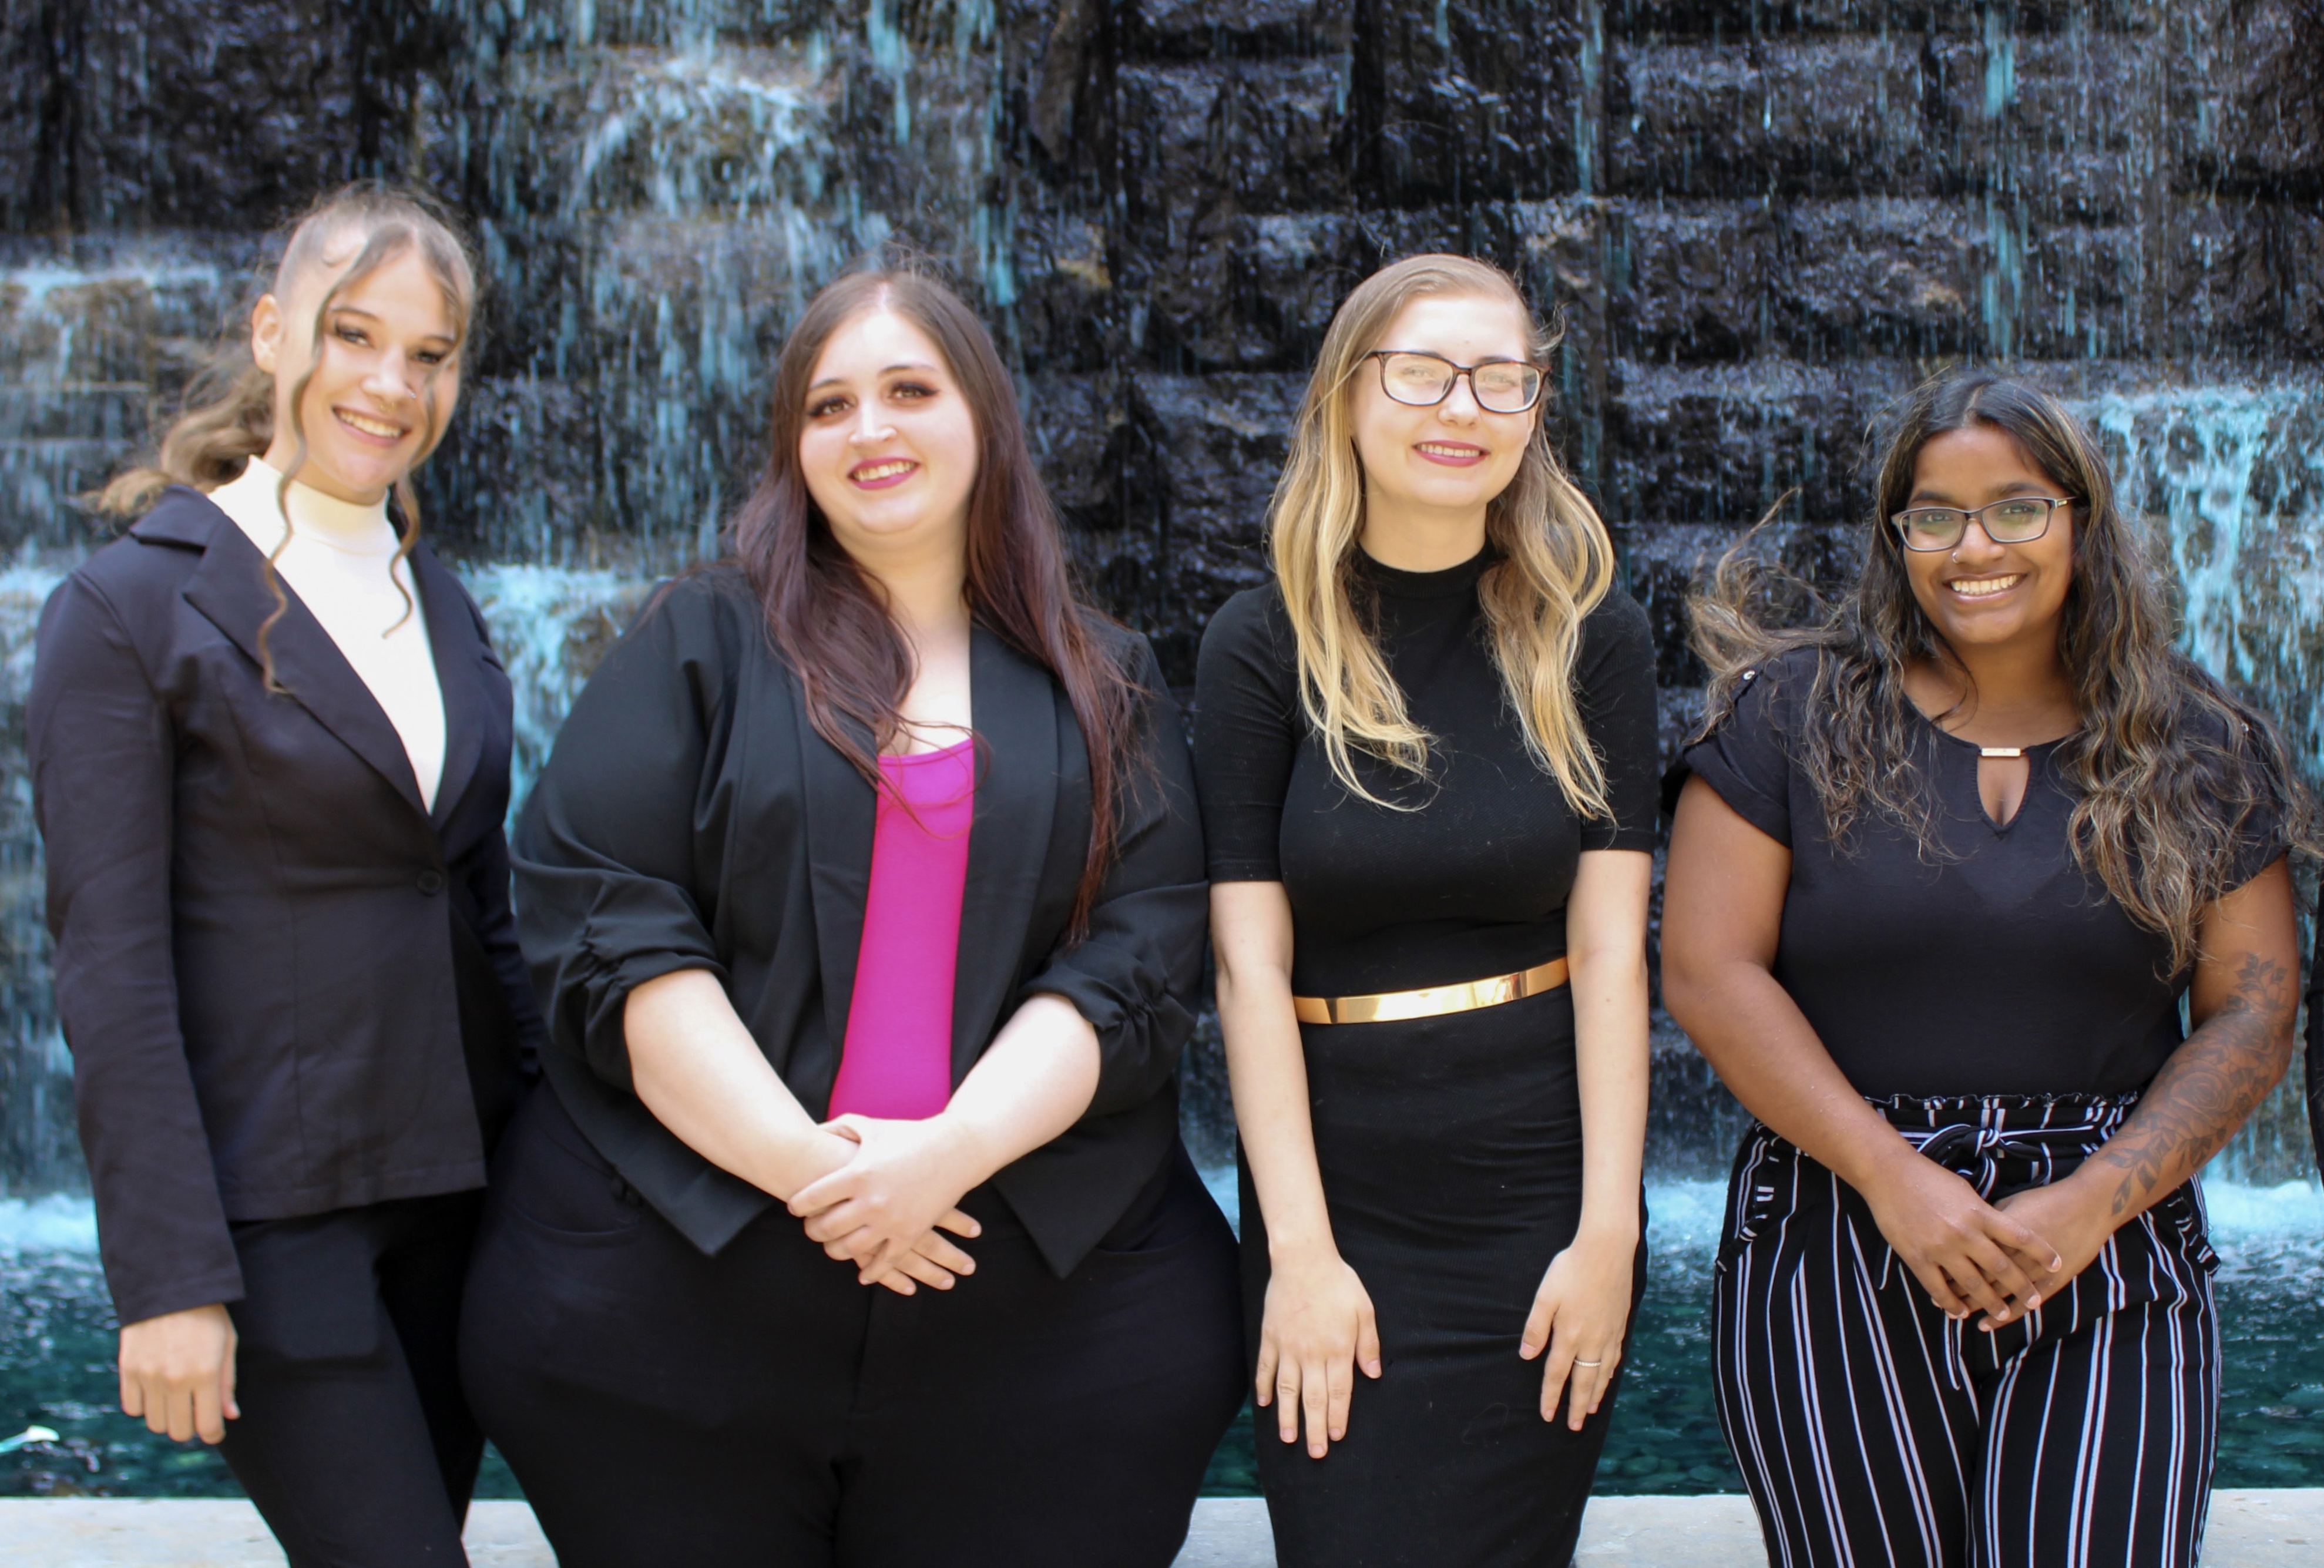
x: 209, y: 1533
x: 2249, y: 1529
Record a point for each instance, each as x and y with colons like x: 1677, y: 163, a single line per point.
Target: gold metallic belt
x: 1431, y: 1000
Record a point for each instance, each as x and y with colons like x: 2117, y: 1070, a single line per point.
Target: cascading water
x: 1760, y: 223
x: 2233, y: 479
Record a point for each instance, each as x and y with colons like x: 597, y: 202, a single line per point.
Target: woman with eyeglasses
x: 1947, y: 863
x: 1426, y: 757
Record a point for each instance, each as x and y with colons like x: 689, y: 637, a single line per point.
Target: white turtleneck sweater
x: 341, y: 564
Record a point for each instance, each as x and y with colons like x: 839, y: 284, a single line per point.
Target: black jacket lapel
x: 1016, y: 721
x: 462, y: 656
x: 841, y: 816
x: 229, y: 589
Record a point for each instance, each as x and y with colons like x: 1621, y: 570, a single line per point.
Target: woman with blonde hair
x: 269, y: 749
x: 1427, y: 754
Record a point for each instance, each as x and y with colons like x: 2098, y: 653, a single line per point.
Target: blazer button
x: 431, y: 883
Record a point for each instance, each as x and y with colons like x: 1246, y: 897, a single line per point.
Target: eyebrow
x: 1449, y: 359
x: 884, y: 370
x: 369, y: 315
x: 2014, y: 487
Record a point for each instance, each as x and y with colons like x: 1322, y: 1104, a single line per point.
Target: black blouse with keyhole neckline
x: 2000, y: 819
x: 1997, y: 966
x: 2012, y: 790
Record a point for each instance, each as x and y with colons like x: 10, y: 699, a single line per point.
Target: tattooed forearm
x: 2208, y: 1088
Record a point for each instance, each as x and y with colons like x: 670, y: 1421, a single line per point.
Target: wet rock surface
x: 1759, y: 222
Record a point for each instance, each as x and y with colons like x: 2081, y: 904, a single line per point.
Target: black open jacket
x: 287, y: 986
x: 693, y: 818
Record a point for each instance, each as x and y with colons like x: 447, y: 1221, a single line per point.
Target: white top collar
x: 315, y: 518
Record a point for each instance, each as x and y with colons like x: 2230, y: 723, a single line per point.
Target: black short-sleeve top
x: 1995, y: 966
x: 1470, y: 880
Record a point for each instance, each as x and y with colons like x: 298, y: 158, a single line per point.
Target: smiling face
x: 888, y: 445
x: 1981, y: 595
x: 1426, y: 470
x: 385, y: 382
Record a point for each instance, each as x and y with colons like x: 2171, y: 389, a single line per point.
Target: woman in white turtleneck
x: 270, y: 758
x: 345, y: 564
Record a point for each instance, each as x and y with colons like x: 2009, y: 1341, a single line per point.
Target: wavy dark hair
x: 228, y: 415
x: 826, y: 614
x: 2168, y: 767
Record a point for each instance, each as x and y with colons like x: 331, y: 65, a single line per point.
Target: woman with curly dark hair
x: 1949, y: 863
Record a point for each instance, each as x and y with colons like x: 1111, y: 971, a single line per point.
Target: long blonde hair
x: 1554, y: 560
x: 228, y: 414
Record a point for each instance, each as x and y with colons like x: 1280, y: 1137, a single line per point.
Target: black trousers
x: 1451, y: 1154
x: 353, y: 1440
x: 1871, y: 1428
x: 761, y: 1407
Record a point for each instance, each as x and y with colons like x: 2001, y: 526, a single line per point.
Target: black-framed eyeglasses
x: 2020, y: 519
x: 1422, y: 381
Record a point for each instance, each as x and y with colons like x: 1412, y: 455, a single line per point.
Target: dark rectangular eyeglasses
x: 1422, y: 381
x: 2020, y: 519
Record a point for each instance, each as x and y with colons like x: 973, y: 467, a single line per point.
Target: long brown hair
x: 2169, y: 768
x: 228, y: 414
x: 1556, y: 563
x: 827, y: 616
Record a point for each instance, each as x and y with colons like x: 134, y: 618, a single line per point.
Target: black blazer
x: 287, y: 986
x: 692, y: 818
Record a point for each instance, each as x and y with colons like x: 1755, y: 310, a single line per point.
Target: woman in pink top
x: 865, y: 894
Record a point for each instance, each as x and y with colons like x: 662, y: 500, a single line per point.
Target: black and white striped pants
x: 1872, y: 1430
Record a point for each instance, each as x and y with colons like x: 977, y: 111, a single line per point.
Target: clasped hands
x: 2001, y: 1259
x: 887, y: 1193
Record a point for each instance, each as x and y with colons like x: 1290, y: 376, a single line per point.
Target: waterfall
x: 83, y: 334
x: 655, y: 195
x: 2229, y: 478
x: 549, y: 626
x: 39, y: 1149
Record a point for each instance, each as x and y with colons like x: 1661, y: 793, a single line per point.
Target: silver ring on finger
x: 1580, y: 1362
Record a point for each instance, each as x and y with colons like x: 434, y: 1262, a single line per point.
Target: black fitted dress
x: 1450, y: 1147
